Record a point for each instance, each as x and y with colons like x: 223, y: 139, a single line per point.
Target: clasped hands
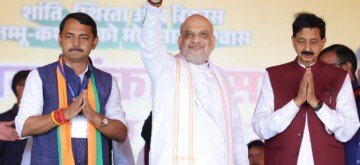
x: 306, y: 91
x: 81, y: 104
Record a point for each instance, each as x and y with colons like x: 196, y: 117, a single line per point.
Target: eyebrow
x: 69, y: 33
x: 201, y: 31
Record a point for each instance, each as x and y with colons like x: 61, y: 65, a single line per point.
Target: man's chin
x: 196, y: 60
x: 307, y: 61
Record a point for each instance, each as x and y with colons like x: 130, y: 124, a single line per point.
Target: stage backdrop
x: 251, y: 35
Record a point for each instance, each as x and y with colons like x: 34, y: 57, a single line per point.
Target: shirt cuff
x: 283, y: 117
x: 323, y: 114
x: 19, y: 125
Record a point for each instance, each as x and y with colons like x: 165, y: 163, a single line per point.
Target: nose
x: 307, y: 46
x: 196, y: 38
x: 76, y: 41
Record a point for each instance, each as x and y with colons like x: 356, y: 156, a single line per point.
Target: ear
x: 293, y: 40
x: 17, y: 90
x: 96, y: 40
x: 323, y: 41
x: 59, y: 40
x: 213, y: 42
x: 179, y: 41
x: 347, y: 66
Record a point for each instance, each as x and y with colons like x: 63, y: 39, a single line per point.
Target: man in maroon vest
x: 305, y: 110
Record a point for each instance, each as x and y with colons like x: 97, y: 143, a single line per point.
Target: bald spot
x: 196, y: 21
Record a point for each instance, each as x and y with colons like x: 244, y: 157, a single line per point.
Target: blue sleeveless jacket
x: 45, y: 149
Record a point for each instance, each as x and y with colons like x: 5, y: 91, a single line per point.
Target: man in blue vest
x: 343, y: 57
x: 71, y: 108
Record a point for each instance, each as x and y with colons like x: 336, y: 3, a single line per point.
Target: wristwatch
x: 318, y: 106
x: 104, y: 122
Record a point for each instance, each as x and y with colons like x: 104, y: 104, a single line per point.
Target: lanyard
x: 83, y: 85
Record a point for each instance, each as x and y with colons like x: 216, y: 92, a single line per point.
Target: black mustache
x: 307, y: 52
x: 76, y: 49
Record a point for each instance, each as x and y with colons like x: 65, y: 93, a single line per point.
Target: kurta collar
x: 72, y: 71
x: 204, y: 66
x: 312, y: 66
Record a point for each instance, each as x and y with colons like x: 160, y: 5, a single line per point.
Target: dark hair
x: 308, y: 20
x: 83, y: 18
x: 255, y: 143
x: 344, y: 54
x: 146, y: 130
x: 18, y: 77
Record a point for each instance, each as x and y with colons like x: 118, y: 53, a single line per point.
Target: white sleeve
x: 266, y: 121
x: 113, y: 108
x: 31, y: 102
x: 343, y: 121
x: 152, y: 44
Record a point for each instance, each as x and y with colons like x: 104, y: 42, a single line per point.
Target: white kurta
x: 343, y: 122
x: 210, y: 133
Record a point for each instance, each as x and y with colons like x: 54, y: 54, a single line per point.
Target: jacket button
x: 299, y: 134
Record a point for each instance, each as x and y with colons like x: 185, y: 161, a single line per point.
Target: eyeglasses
x: 338, y: 64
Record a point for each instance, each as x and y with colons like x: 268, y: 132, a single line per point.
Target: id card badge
x: 79, y: 126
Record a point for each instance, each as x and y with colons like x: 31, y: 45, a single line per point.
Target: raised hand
x: 7, y: 132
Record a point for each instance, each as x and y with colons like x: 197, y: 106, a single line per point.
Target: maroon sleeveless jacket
x: 283, y: 148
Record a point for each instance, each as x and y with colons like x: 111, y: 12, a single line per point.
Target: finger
x: 77, y: 102
x: 311, y: 77
x: 14, y: 135
x: 85, y: 96
x: 8, y: 135
x: 304, y: 80
x: 86, y: 110
x: 87, y: 107
x: 85, y: 92
x: 9, y: 123
x: 8, y: 138
x: 83, y: 107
